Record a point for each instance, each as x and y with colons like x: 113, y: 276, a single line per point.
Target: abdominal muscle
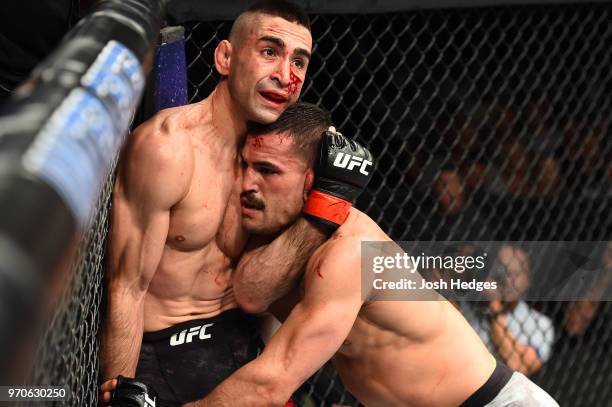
x: 205, y: 240
x: 188, y: 286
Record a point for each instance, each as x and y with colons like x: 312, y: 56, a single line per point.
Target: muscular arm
x: 151, y: 179
x: 266, y: 272
x: 309, y: 337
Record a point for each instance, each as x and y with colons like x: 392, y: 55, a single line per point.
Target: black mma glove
x: 343, y: 171
x: 132, y: 393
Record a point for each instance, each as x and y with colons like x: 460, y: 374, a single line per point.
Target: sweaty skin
x: 204, y: 240
x: 275, y: 40
x: 175, y: 233
x: 173, y: 243
x: 400, y: 353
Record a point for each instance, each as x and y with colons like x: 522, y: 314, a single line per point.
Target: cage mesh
x: 487, y: 124
x: 68, y: 352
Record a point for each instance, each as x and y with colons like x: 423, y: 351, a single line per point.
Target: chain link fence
x: 487, y: 123
x: 68, y: 351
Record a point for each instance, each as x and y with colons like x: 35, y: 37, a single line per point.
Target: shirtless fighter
x: 388, y: 353
x: 175, y: 235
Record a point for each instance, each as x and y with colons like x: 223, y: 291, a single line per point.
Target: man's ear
x: 308, y: 181
x: 223, y: 56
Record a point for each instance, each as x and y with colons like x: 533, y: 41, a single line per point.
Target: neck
x: 224, y: 116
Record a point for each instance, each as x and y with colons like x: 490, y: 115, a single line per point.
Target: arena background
x: 489, y: 123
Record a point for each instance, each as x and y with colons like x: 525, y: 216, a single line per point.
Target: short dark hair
x: 283, y: 9
x: 304, y: 123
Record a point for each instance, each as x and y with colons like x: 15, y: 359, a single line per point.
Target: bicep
x: 142, y: 200
x: 270, y: 270
x: 308, y: 338
x: 136, y: 240
x: 319, y: 324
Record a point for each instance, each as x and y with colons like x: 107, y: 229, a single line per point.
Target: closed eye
x: 243, y: 162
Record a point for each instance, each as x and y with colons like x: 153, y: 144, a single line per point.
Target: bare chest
x: 210, y: 213
x: 205, y: 239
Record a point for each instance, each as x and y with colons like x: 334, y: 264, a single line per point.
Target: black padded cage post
x: 59, y: 135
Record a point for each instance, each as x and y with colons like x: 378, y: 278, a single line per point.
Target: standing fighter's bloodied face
x: 275, y: 185
x: 267, y: 67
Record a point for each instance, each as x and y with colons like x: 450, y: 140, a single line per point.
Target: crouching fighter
x: 388, y: 353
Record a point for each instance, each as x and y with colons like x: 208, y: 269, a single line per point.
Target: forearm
x: 121, y: 336
x: 268, y: 272
x: 310, y: 336
x: 520, y: 357
x: 301, y: 346
x: 252, y: 385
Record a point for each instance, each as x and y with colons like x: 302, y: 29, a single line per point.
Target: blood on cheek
x: 294, y: 82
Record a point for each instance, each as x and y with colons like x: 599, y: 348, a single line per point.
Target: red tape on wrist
x: 327, y: 206
x: 290, y: 403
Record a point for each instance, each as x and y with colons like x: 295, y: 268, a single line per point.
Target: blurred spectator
x: 507, y: 152
x: 514, y: 168
x: 463, y: 138
x: 474, y: 139
x: 448, y: 187
x: 589, y: 153
x: 548, y: 180
x: 580, y: 314
x: 584, y: 146
x: 528, y: 171
x: 514, y: 332
x: 475, y: 174
x: 442, y: 207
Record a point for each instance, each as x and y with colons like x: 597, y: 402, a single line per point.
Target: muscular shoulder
x: 335, y: 260
x: 339, y: 259
x: 334, y: 272
x: 158, y: 159
x: 346, y: 241
x: 161, y: 139
x: 361, y: 226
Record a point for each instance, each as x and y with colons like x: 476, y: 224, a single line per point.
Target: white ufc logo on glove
x: 349, y: 162
x: 187, y: 337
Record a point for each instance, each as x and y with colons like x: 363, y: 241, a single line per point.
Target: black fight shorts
x: 185, y: 362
